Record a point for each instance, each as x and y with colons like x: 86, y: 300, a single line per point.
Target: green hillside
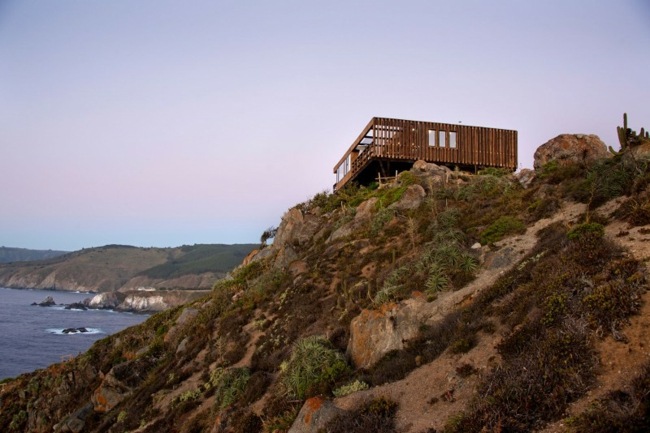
x: 112, y: 267
x: 199, y: 259
x: 8, y: 255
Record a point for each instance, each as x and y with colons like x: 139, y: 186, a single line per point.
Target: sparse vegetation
x: 350, y: 388
x: 503, y: 226
x: 313, y: 368
x: 257, y: 339
x: 376, y: 416
x: 624, y: 410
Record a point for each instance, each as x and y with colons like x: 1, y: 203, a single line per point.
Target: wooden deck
x: 389, y: 145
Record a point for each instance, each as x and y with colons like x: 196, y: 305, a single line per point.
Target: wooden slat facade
x: 386, y: 145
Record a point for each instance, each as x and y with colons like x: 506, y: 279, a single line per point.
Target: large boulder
x: 109, y: 393
x: 120, y: 382
x: 362, y: 216
x: 411, y: 199
x: 296, y: 228
x: 314, y: 415
x: 374, y: 333
x: 571, y: 149
x: 76, y: 421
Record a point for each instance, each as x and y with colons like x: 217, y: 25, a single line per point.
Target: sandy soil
x: 433, y: 393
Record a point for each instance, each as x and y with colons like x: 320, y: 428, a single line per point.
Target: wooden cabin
x: 387, y: 146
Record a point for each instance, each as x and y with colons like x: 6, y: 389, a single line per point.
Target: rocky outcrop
x: 314, y: 415
x: 525, y: 177
x: 47, y: 302
x: 143, y: 303
x: 295, y: 229
x: 411, y: 199
x: 374, y: 333
x: 75, y: 423
x: 108, y: 300
x: 110, y: 393
x: 571, y: 149
x: 119, y: 382
x: 438, y: 172
x: 362, y: 215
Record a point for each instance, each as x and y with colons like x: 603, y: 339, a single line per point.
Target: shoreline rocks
x: 47, y: 302
x: 74, y: 330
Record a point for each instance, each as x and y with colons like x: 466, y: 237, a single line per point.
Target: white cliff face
x: 143, y: 303
x: 104, y: 300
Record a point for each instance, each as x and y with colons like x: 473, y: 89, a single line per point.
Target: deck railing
x: 407, y: 141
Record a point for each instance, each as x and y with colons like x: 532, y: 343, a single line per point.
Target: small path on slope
x: 510, y: 251
x: 431, y: 394
x: 620, y: 362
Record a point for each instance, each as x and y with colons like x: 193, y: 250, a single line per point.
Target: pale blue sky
x: 162, y: 123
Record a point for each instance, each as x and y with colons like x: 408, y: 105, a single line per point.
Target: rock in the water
x: 571, y: 149
x: 74, y: 330
x: 47, y: 302
x: 76, y: 306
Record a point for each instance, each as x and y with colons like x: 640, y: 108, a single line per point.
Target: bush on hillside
x: 313, y: 368
x: 625, y: 410
x: 503, y: 226
x: 376, y: 416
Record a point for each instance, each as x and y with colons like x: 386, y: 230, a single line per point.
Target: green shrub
x: 437, y: 280
x: 350, y: 388
x: 380, y: 219
x: 555, y: 173
x: 493, y: 171
x: 395, y: 287
x: 228, y: 385
x: 586, y: 229
x: 312, y: 368
x: 503, y: 226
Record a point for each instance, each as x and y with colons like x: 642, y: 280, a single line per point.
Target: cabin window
x: 343, y: 169
x: 452, y: 139
x: 442, y: 139
x: 432, y: 137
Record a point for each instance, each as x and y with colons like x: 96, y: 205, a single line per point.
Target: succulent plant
x: 628, y: 138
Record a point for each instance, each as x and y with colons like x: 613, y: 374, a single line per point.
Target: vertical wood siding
x: 408, y: 141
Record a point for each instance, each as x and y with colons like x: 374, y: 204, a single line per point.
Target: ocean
x: 31, y: 337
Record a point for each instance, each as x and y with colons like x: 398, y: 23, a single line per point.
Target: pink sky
x: 162, y: 123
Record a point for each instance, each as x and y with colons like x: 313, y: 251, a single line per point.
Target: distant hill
x: 8, y: 255
x: 123, y: 267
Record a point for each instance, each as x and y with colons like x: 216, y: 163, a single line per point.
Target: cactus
x: 629, y: 138
x: 623, y: 133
